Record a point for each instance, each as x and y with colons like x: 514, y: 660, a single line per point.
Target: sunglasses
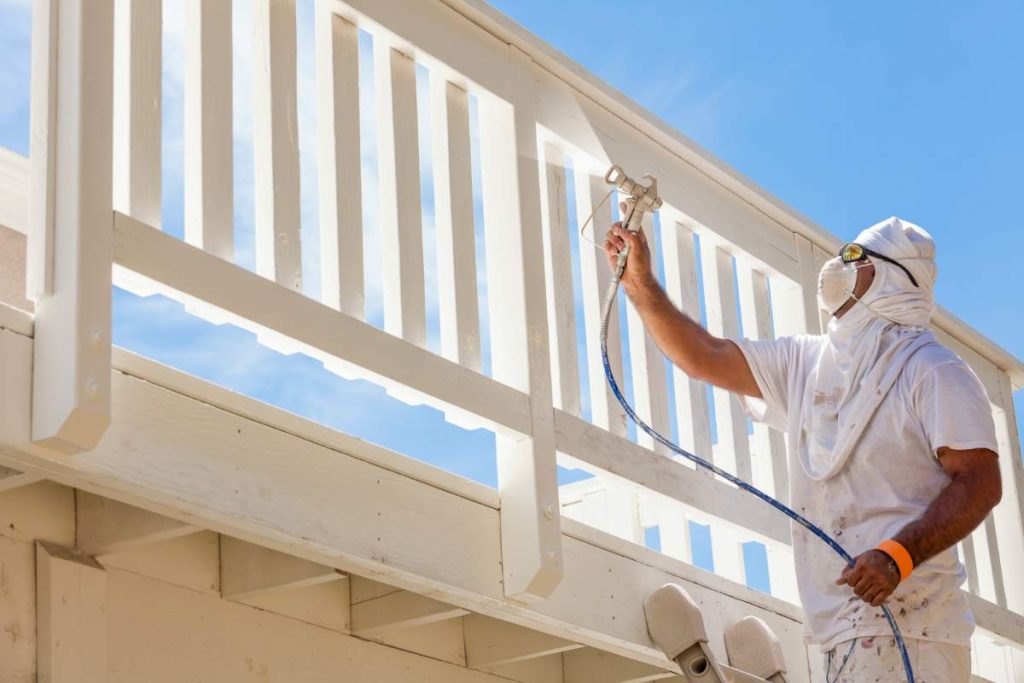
x: 853, y: 252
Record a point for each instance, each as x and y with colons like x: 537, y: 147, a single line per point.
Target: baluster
x: 595, y: 276
x: 398, y: 177
x: 733, y: 451
x: 674, y: 528
x: 979, y: 541
x: 692, y: 417
x: 727, y: 553
x: 453, y: 218
x: 561, y: 302
x: 276, y: 144
x: 994, y: 561
x: 795, y: 304
x: 647, y: 365
x: 340, y: 166
x: 209, y: 185
x: 782, y: 572
x: 1009, y: 514
x: 770, y: 464
x: 968, y: 557
x: 137, y: 60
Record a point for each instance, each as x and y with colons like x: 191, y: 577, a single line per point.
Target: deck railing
x: 547, y: 132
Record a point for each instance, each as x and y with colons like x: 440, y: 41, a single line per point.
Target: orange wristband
x: 899, y: 555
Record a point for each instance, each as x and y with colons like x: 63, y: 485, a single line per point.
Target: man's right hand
x: 638, y: 273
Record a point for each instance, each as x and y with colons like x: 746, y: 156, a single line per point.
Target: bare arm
x: 698, y: 353
x: 975, y: 488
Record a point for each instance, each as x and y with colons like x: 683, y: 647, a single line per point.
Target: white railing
x: 547, y: 133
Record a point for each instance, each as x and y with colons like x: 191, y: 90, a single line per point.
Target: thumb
x: 842, y: 577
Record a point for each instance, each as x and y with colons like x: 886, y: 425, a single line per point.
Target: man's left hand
x: 873, y: 577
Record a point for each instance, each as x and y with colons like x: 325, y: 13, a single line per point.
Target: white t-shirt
x: 891, y: 477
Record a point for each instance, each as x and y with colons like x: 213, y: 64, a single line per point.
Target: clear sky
x: 849, y: 112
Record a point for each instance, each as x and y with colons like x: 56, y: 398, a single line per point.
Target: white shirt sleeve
x: 772, y: 364
x: 954, y: 410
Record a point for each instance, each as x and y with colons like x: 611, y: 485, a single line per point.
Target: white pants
x: 866, y: 660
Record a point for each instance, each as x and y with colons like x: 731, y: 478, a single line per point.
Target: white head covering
x: 866, y: 348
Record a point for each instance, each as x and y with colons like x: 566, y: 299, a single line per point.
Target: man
x: 891, y: 445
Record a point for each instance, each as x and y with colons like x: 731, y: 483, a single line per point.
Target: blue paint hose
x: 609, y: 302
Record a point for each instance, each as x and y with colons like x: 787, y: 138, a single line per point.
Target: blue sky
x: 849, y: 112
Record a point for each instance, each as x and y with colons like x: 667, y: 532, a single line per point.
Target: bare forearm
x: 698, y: 353
x: 954, y: 513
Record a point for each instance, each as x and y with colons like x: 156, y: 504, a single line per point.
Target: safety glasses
x: 853, y: 252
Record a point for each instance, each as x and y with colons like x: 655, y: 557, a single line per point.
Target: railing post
x: 527, y: 477
x: 71, y: 223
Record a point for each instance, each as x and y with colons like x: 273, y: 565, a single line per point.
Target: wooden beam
x: 106, y: 526
x: 490, y: 642
x: 398, y: 611
x: 12, y: 479
x: 317, y: 329
x: 71, y: 626
x: 249, y: 571
x: 595, y: 666
x: 70, y: 234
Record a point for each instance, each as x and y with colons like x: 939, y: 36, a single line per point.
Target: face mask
x: 836, y: 282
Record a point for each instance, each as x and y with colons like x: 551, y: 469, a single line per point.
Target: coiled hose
x: 606, y: 313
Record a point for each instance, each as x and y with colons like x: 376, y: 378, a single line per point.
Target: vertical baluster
x: 994, y: 560
x: 968, y: 557
x: 340, y: 166
x: 595, y: 276
x: 675, y: 531
x: 727, y: 553
x: 983, y: 563
x: 72, y: 221
x: 276, y: 144
x: 647, y: 365
x: 692, y: 415
x: 782, y: 572
x: 137, y: 87
x: 733, y: 451
x: 209, y: 184
x: 1009, y: 514
x: 561, y: 302
x: 453, y: 217
x: 795, y: 304
x: 771, y: 470
x: 527, y: 477
x: 398, y: 164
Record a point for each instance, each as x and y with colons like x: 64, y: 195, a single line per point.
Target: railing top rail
x: 560, y: 65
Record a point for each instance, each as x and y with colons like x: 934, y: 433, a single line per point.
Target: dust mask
x: 836, y: 282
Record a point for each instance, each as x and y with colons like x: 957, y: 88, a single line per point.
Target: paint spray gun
x: 640, y: 199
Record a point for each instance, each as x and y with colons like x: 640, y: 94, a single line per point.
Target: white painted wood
x: 1009, y: 514
x: 490, y: 642
x: 782, y: 573
x: 340, y: 165
x: 11, y: 479
x: 595, y: 276
x: 983, y: 564
x: 594, y: 666
x: 795, y: 302
x: 364, y: 589
x: 565, y: 379
x: 205, y: 638
x: 41, y: 187
x: 527, y: 476
x: 966, y: 550
x: 16, y: 321
x: 137, y: 101
x: 105, y: 526
x: 43, y: 511
x: 441, y: 640
x: 647, y: 366
x: 674, y: 531
x: 71, y: 391
x: 995, y: 561
x: 622, y: 458
x: 323, y: 604
x: 399, y: 610
x: 276, y: 143
x: 539, y: 670
x: 459, y: 308
x: 331, y: 511
x: 771, y: 472
x: 398, y: 181
x: 18, y: 605
x: 250, y: 571
x: 15, y: 201
x: 209, y: 165
x: 727, y: 554
x: 385, y: 359
x: 191, y: 561
x: 678, y: 254
x: 732, y: 452
x: 71, y: 594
